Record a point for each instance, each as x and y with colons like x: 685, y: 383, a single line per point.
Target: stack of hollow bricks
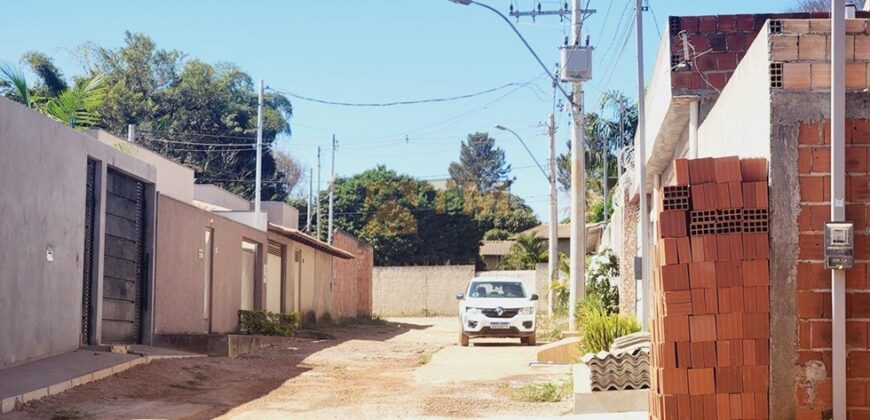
x: 710, y: 325
x: 813, y: 294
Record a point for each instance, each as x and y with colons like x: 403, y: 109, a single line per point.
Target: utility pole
x: 621, y: 147
x: 838, y: 207
x: 640, y: 159
x: 319, y: 219
x: 606, y: 172
x: 131, y: 133
x: 577, y: 285
x: 553, y: 257
x: 259, y: 153
x: 310, y: 193
x: 331, y: 188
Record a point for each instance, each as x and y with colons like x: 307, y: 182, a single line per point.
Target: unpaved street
x: 399, y: 368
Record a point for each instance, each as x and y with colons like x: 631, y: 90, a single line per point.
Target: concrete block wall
x: 813, y: 294
x: 415, y: 291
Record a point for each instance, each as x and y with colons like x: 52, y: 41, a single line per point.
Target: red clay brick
x: 707, y: 24
x: 701, y: 381
x: 805, y: 160
x: 858, y: 364
x: 821, y: 160
x: 727, y: 23
x: 812, y: 276
x: 812, y: 246
x: 813, y: 304
x: 812, y: 217
x: 856, y: 394
x: 675, y: 277
x: 860, y: 131
x: 697, y: 244
x: 675, y: 328
x: 856, y: 334
x: 858, y: 305
x: 820, y: 336
x: 857, y: 213
x: 859, y: 188
x: 727, y: 60
x: 812, y: 188
x: 856, y: 160
x: 856, y: 278
x: 684, y: 354
x: 689, y: 24
x: 702, y: 327
x: 681, y: 171
x: 809, y: 133
x: 756, y: 273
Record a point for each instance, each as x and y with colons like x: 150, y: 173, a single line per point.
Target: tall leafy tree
x: 191, y: 110
x: 482, y: 165
x: 601, y: 128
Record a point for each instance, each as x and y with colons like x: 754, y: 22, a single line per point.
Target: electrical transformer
x: 576, y: 63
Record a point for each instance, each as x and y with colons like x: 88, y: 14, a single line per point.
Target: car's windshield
x: 496, y: 289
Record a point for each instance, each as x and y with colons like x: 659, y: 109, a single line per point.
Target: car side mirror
x: 460, y: 296
x: 534, y: 297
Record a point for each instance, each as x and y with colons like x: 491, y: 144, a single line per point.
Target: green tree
x: 171, y: 99
x: 405, y: 219
x: 76, y: 106
x: 601, y: 129
x: 481, y: 166
x: 526, y: 253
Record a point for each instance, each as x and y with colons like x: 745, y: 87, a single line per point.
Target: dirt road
x: 398, y: 368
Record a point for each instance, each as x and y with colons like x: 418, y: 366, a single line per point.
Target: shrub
x: 268, y: 323
x: 601, y: 268
x: 598, y: 327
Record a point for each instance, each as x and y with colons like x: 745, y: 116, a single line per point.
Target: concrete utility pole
x: 310, y: 193
x: 621, y: 147
x: 259, y: 153
x: 131, y: 133
x: 576, y: 282
x: 331, y: 188
x: 553, y: 256
x: 606, y: 172
x: 640, y: 161
x: 838, y: 207
x: 317, y: 197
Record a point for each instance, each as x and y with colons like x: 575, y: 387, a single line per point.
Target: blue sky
x: 377, y: 51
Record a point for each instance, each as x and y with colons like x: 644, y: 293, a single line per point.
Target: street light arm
x: 529, y: 47
x: 527, y: 149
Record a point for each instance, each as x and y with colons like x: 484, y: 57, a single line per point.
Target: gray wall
x: 431, y: 290
x: 42, y: 179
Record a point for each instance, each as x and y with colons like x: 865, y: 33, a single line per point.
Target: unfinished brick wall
x: 711, y: 325
x: 813, y: 296
x: 352, y: 279
x: 800, y: 52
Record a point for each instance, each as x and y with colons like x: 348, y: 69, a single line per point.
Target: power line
x: 182, y: 133
x: 397, y: 103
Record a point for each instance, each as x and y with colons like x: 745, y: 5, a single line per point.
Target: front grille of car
x: 506, y: 313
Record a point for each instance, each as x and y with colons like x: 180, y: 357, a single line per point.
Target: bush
x: 601, y: 268
x: 268, y: 323
x: 598, y: 327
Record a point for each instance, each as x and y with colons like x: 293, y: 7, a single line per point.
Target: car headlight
x: 527, y: 311
x: 472, y: 311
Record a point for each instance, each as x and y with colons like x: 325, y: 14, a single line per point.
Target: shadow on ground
x: 203, y: 388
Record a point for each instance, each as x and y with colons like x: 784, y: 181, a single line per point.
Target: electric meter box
x: 839, y: 245
x: 576, y: 63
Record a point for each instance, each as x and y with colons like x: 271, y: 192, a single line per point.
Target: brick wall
x: 801, y: 50
x: 352, y: 279
x: 813, y: 297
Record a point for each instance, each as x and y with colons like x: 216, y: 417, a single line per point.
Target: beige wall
x: 352, y: 279
x: 173, y: 179
x: 179, y: 280
x: 42, y: 205
x: 418, y: 290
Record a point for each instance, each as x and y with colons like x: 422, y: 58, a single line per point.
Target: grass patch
x: 197, y: 377
x: 550, y: 328
x: 548, y: 392
x: 425, y: 358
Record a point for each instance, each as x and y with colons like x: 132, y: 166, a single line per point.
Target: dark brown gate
x: 124, y: 264
x: 88, y: 278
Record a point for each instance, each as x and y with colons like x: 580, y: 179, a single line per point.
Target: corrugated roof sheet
x: 302, y: 238
x: 496, y: 247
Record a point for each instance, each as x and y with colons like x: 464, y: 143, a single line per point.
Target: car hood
x: 506, y: 303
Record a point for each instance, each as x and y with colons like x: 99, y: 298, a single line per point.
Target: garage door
x: 124, y: 272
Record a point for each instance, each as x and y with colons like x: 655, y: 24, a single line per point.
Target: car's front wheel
x: 463, y: 339
x: 530, y: 340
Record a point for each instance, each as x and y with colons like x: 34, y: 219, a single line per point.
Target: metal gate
x: 124, y: 263
x: 88, y: 278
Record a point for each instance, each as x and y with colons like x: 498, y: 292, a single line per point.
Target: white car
x: 493, y: 307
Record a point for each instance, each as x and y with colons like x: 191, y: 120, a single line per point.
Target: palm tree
x: 76, y: 106
x: 527, y: 251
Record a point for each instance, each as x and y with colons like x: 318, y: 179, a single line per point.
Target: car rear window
x: 496, y: 289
